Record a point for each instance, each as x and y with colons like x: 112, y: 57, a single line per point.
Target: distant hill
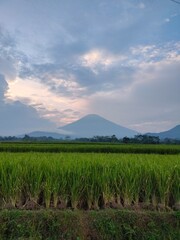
x: 45, y: 134
x: 94, y: 125
x: 173, y: 133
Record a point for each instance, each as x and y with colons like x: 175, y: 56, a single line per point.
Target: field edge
x: 94, y: 225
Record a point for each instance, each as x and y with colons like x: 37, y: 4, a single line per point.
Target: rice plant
x: 89, y: 148
x: 89, y: 180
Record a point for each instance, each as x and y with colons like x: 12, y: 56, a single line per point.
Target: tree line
x: 138, y: 139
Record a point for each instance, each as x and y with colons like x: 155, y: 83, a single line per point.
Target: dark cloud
x: 7, y: 60
x: 48, y: 40
x: 150, y: 103
x: 80, y: 27
x: 18, y: 118
x: 6, y: 41
x: 3, y: 87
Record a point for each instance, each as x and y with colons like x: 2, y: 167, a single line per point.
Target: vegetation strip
x: 89, y: 181
x: 90, y: 147
x: 83, y: 225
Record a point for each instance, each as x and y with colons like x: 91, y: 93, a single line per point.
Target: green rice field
x: 34, y: 180
x: 89, y: 147
x: 94, y: 191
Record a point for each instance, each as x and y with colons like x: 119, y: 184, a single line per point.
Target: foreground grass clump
x: 89, y: 181
x: 83, y: 225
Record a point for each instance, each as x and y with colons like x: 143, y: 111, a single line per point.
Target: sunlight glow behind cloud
x: 119, y: 59
x: 46, y: 102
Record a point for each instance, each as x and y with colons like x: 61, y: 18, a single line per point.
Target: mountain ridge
x: 173, y: 133
x: 35, y: 134
x: 94, y: 125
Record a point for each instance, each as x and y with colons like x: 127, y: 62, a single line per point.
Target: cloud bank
x: 63, y: 60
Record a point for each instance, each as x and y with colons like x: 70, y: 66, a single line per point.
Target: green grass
x: 89, y: 147
x: 89, y: 180
x: 83, y: 225
x: 140, y: 181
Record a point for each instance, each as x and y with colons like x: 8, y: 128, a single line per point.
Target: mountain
x: 173, y: 133
x: 45, y: 134
x: 94, y: 125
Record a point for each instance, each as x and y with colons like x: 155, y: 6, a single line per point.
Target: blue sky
x: 63, y: 59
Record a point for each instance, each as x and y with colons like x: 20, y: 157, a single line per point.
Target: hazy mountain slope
x: 46, y: 134
x: 173, y: 133
x: 94, y: 125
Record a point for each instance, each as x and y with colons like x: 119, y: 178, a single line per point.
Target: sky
x: 63, y: 59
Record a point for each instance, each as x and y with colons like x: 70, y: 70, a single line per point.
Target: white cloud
x: 60, y: 55
x: 18, y: 118
x: 151, y: 101
x: 167, y: 20
x: 138, y: 74
x: 141, y: 5
x: 100, y: 59
x: 49, y: 104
